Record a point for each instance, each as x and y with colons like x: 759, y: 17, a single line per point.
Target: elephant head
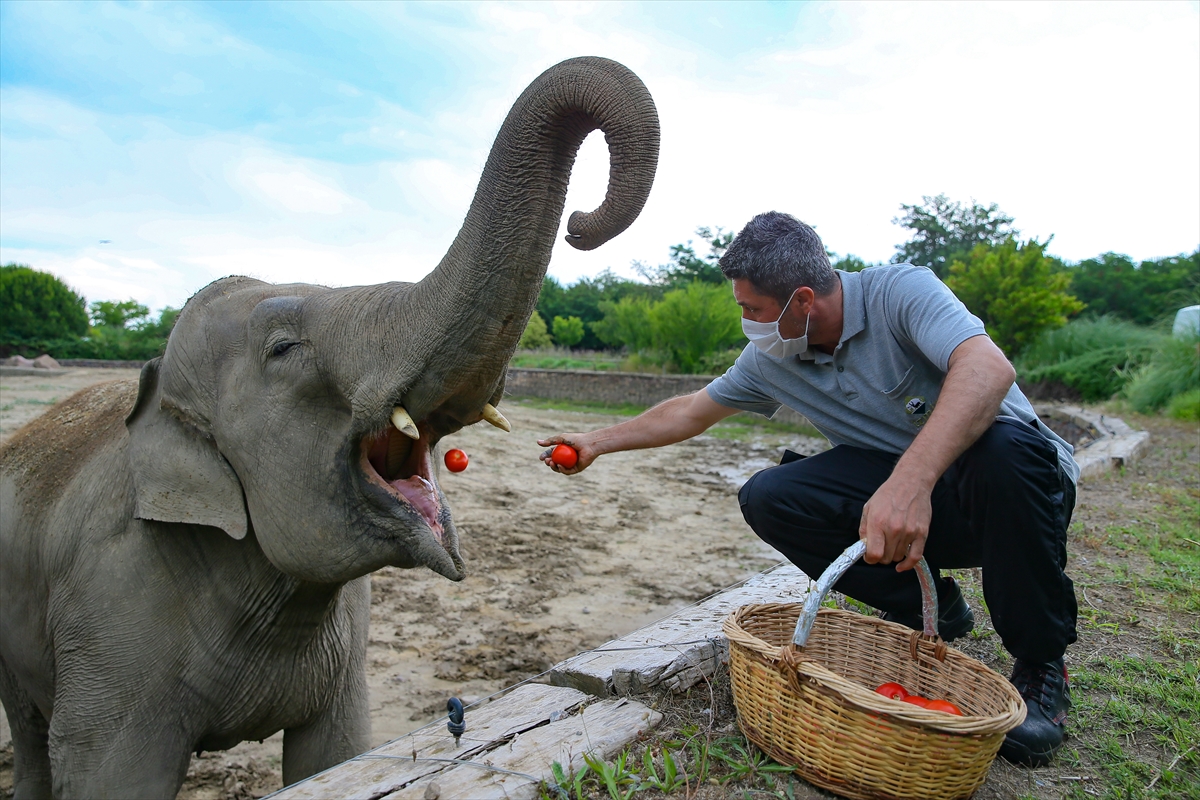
x: 310, y: 417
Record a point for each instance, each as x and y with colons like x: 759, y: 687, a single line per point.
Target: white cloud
x: 1079, y: 120
x: 296, y: 191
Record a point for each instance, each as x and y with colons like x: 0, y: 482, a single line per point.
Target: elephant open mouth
x: 402, y: 466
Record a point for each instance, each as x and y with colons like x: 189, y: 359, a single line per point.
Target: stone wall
x: 95, y: 362
x: 614, y: 388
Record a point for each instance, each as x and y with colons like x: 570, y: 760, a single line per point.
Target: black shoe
x: 1047, y: 694
x: 954, y: 615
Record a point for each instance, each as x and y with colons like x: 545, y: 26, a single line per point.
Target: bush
x: 690, y: 324
x: 1173, y: 371
x: 568, y: 331
x: 1015, y: 289
x: 37, y: 307
x: 535, y: 337
x: 1095, y: 357
x: 1185, y: 406
x: 626, y: 323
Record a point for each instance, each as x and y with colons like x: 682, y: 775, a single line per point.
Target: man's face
x: 756, y: 306
x: 759, y: 307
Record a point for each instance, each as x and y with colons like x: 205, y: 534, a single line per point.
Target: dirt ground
x: 558, y: 565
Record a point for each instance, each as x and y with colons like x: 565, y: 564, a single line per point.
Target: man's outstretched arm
x: 668, y: 422
x: 895, y: 521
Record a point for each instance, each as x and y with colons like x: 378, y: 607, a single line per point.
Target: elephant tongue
x: 422, y: 496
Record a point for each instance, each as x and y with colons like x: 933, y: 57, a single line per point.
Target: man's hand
x: 582, y: 444
x: 895, y: 523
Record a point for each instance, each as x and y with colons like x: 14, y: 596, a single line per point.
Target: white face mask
x: 766, y: 337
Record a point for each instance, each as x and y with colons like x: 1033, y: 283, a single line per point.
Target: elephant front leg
x: 30, y: 734
x: 133, y: 759
x: 340, y: 733
x: 343, y: 729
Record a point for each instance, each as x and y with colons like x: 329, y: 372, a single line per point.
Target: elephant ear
x: 179, y: 475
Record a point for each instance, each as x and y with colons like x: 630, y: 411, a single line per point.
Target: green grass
x: 677, y: 767
x: 746, y: 426
x: 1173, y: 371
x: 739, y: 427
x: 1169, y: 542
x: 1139, y: 703
x: 565, y: 358
x: 1096, y: 357
x: 1185, y: 406
x: 582, y: 406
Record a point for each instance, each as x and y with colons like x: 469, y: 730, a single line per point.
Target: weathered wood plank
x: 601, y: 730
x: 677, y: 652
x: 391, y: 766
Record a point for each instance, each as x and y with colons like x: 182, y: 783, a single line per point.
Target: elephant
x: 187, y: 557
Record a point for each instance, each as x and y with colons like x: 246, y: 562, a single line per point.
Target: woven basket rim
x: 856, y: 695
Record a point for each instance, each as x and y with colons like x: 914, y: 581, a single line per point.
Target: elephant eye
x: 282, y: 348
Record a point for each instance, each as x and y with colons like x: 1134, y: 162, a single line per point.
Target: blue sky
x: 340, y: 143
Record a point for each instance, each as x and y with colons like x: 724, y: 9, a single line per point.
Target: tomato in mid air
x: 944, y: 705
x: 916, y: 700
x: 892, y: 690
x: 456, y: 460
x: 564, y: 456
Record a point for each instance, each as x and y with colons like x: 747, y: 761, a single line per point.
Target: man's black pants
x: 1004, y: 505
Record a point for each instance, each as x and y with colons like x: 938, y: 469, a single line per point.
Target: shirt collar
x: 854, y: 308
x: 854, y: 315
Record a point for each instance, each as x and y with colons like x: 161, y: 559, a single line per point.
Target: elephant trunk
x: 474, y: 306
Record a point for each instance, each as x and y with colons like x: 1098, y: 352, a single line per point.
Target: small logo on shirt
x: 916, y: 408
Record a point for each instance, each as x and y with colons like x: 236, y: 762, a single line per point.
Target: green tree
x: 568, y: 331
x: 691, y: 323
x: 626, y: 323
x: 1112, y: 283
x: 37, y: 306
x: 848, y: 262
x: 535, y: 336
x: 583, y: 298
x: 685, y: 266
x: 943, y: 230
x: 1015, y: 289
x: 118, y: 315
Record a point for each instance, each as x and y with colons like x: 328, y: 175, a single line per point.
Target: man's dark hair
x: 778, y: 254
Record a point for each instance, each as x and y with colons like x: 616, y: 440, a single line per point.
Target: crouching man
x: 936, y: 452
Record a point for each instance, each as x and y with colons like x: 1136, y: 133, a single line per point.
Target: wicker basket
x: 814, y: 707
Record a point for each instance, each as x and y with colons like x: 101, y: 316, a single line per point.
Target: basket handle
x: 816, y: 594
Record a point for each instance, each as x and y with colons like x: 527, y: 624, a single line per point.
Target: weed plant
x: 1174, y: 370
x: 1095, y: 357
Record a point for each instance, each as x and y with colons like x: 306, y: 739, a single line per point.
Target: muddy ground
x: 558, y: 565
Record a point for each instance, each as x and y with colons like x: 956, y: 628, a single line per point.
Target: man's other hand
x: 895, y: 523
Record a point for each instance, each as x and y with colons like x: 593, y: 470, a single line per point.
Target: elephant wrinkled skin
x: 185, y: 559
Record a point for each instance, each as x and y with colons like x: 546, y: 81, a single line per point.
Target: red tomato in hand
x: 944, y: 705
x: 456, y: 460
x: 916, y: 700
x: 892, y: 690
x: 564, y: 456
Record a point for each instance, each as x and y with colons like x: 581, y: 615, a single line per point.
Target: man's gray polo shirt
x: 900, y: 324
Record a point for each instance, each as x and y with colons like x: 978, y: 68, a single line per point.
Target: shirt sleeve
x: 743, y: 387
x: 924, y: 311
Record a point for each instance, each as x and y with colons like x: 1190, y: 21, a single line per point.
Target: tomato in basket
x: 892, y: 690
x: 917, y: 700
x: 944, y: 705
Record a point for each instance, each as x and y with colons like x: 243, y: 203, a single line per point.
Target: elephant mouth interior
x: 403, y: 467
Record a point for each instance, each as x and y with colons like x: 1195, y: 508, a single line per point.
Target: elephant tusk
x: 404, y: 423
x: 494, y: 417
